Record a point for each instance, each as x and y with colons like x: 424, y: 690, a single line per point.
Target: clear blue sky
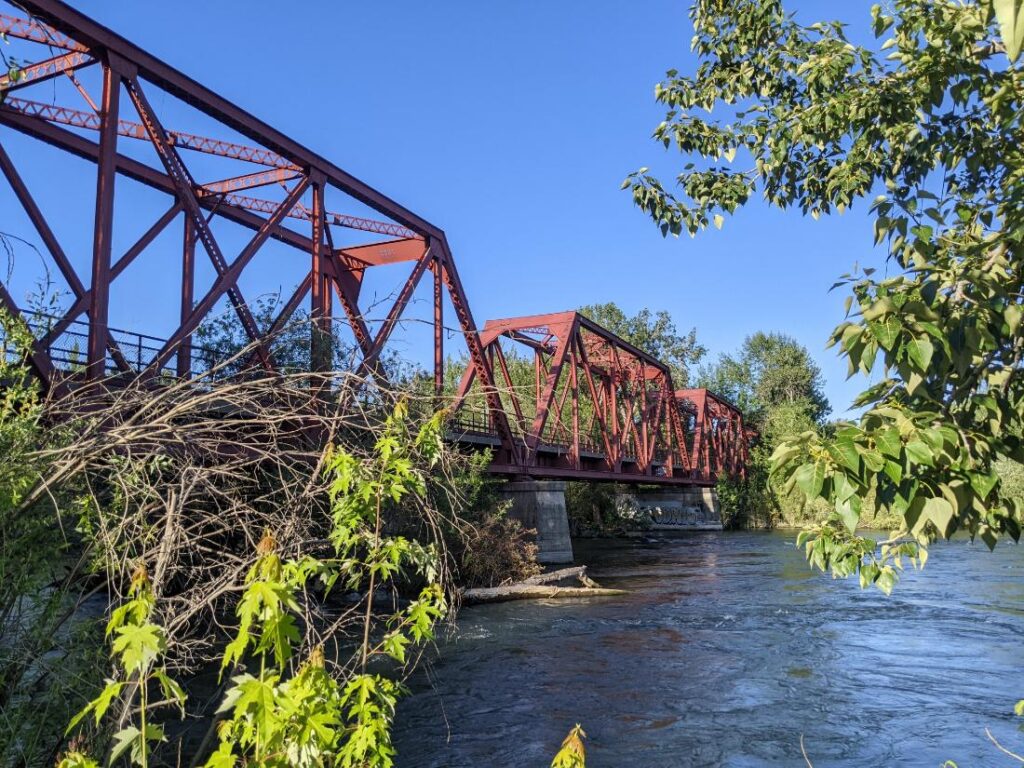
x: 510, y: 125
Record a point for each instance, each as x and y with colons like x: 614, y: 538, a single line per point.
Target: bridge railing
x: 132, y: 350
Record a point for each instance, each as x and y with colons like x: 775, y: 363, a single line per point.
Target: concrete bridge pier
x: 691, y: 509
x: 540, y: 505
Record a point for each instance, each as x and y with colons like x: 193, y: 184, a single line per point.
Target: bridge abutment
x: 540, y: 505
x: 693, y: 509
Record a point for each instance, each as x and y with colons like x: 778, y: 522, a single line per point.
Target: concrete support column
x: 540, y: 505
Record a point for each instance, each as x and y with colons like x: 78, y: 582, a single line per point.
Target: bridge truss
x: 719, y: 441
x: 595, y: 406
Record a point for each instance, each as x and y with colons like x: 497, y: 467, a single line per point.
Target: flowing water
x: 725, y: 651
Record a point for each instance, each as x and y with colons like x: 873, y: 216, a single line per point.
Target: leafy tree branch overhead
x: 924, y: 126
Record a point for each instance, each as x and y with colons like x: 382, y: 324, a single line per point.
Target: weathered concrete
x: 540, y: 505
x: 692, y: 509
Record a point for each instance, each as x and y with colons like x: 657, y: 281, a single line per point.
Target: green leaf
x: 849, y: 512
x: 1010, y: 15
x: 99, y: 705
x: 873, y: 460
x: 983, y: 484
x: 888, y: 442
x: 810, y: 478
x: 868, y: 574
x: 914, y: 514
x: 783, y: 453
x: 920, y: 352
x: 394, y: 646
x: 887, y: 331
x: 125, y: 739
x: 919, y: 452
x: 223, y: 757
x: 1013, y: 315
x: 170, y: 688
x: 886, y: 580
x: 941, y: 513
x: 844, y: 450
x: 138, y: 646
x: 893, y: 471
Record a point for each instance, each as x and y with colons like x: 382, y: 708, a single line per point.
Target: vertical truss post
x: 188, y: 288
x: 477, y: 358
x: 565, y: 331
x: 574, y: 456
x: 106, y: 167
x: 320, y: 296
x: 612, y: 402
x: 699, y: 452
x: 435, y: 267
x: 642, y: 450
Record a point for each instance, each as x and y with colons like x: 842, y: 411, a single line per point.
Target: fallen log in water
x: 565, y: 574
x: 532, y: 592
x: 540, y: 587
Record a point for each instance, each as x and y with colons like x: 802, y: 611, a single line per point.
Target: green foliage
x: 590, y: 507
x: 220, y: 338
x: 654, y: 333
x: 928, y: 121
x: 137, y: 645
x: 486, y: 546
x: 572, y: 754
x: 48, y: 653
x: 222, y: 343
x: 594, y: 509
x: 283, y: 706
x: 779, y: 388
x: 770, y: 371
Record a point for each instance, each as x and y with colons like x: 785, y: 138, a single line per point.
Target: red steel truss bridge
x: 554, y: 396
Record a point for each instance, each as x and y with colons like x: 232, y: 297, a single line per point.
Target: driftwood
x: 542, y: 586
x: 552, y: 577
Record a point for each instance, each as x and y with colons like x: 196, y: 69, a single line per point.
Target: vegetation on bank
x: 186, y: 572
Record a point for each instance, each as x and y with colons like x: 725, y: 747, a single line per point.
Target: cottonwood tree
x: 924, y: 126
x: 779, y: 388
x: 770, y: 371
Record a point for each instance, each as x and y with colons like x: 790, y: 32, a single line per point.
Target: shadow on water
x: 726, y: 650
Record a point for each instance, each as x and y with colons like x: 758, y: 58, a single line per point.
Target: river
x: 727, y: 649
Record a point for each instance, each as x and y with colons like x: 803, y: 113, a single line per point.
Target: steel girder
x: 594, y: 407
x: 719, y: 442
x: 583, y: 402
x: 129, y: 75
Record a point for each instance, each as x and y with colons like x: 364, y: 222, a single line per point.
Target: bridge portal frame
x: 629, y: 396
x: 128, y: 71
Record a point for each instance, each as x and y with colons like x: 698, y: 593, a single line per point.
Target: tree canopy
x: 925, y: 124
x: 770, y: 370
x: 779, y: 388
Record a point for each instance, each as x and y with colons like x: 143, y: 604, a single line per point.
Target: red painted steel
x: 130, y: 129
x: 336, y: 273
x: 222, y: 191
x: 582, y: 404
x: 594, y: 406
x: 30, y: 29
x: 719, y: 441
x: 45, y: 70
